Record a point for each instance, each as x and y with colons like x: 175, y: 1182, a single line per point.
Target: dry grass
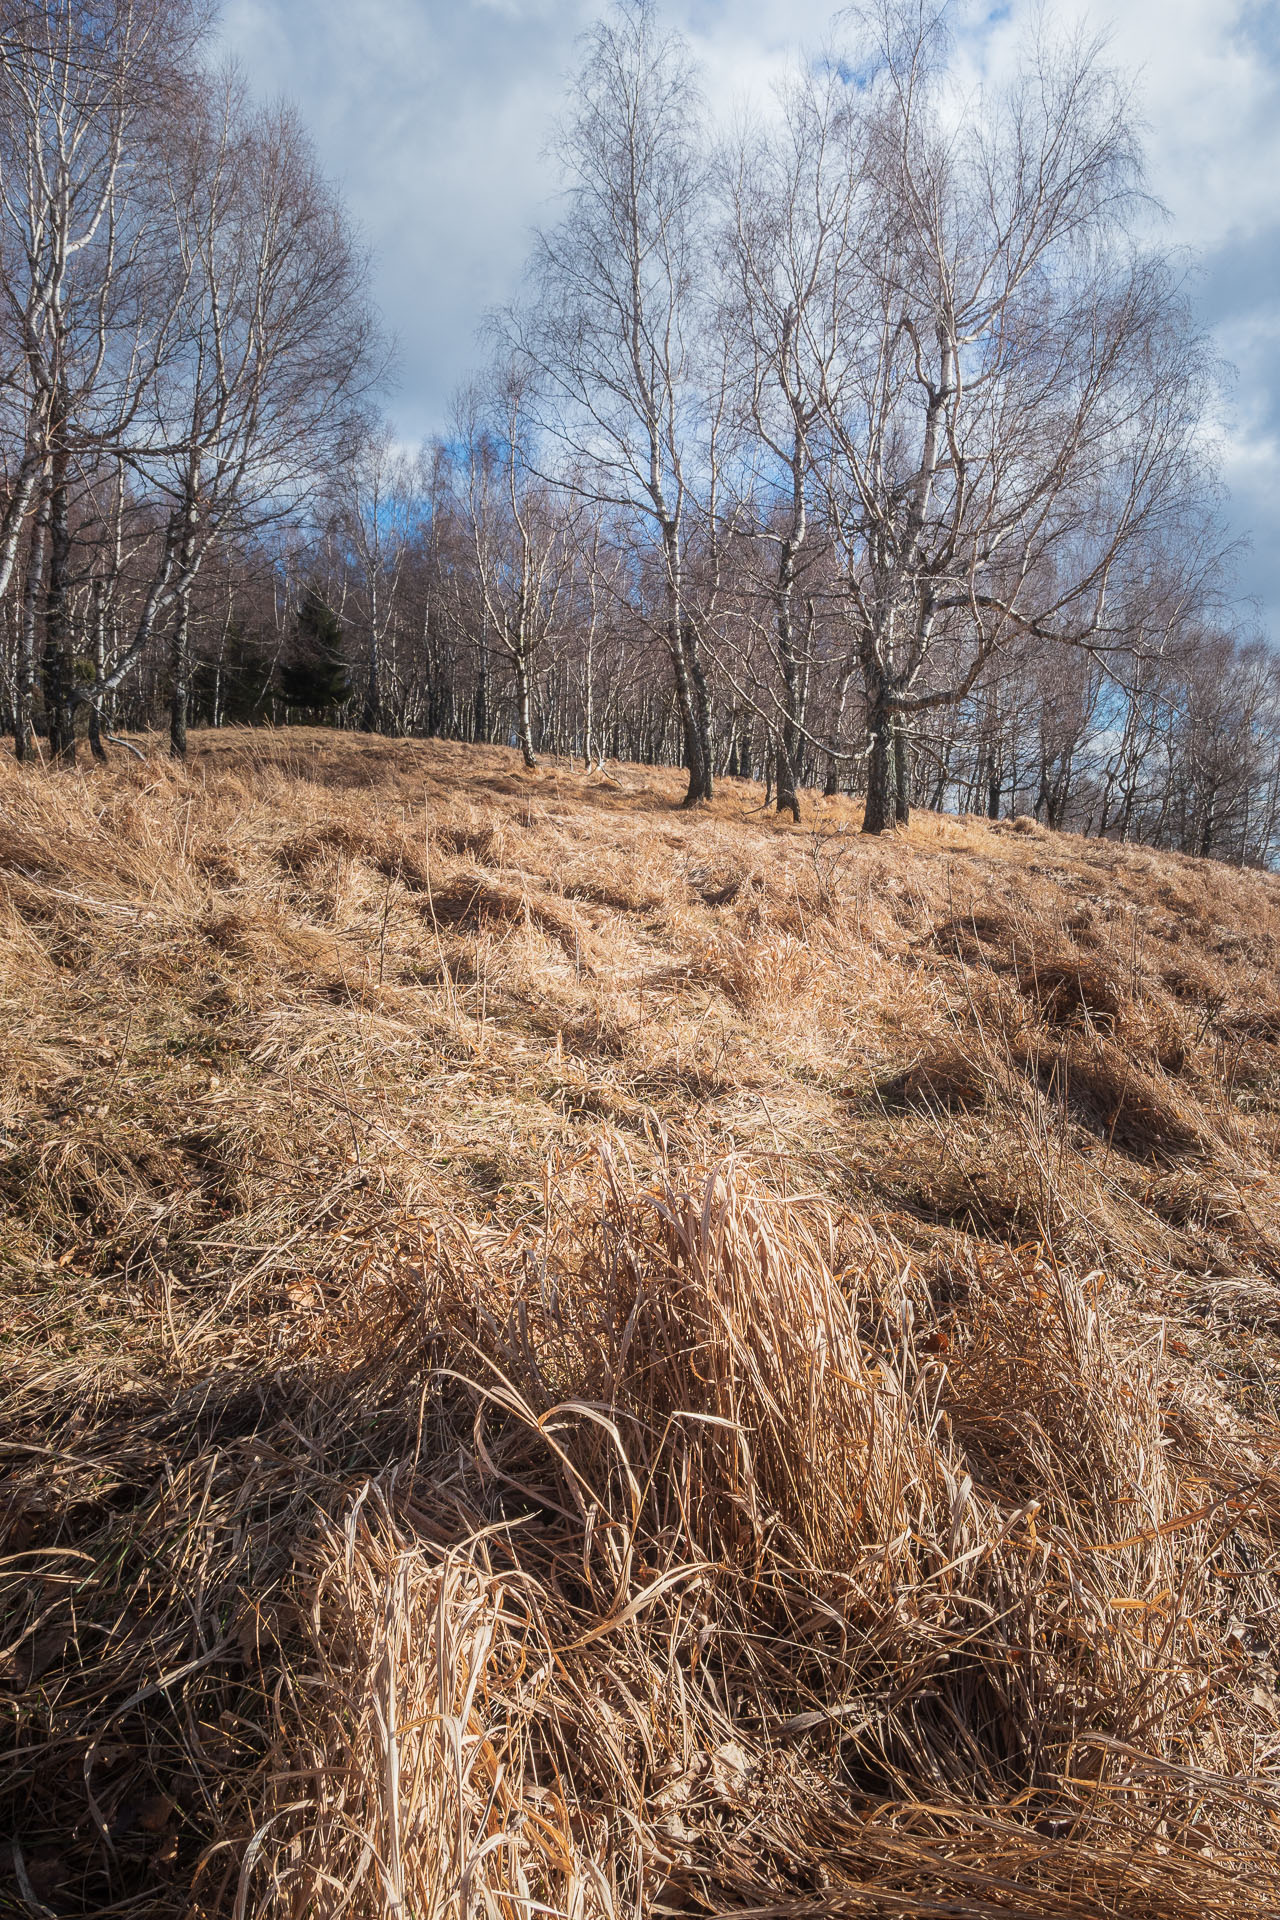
x: 566, y: 1358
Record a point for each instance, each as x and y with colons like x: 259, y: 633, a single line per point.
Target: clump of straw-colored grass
x: 733, y: 1572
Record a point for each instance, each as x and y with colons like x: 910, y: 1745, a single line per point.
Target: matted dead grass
x: 569, y: 1358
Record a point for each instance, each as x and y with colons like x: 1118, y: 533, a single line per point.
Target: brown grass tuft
x: 1072, y: 990
x: 1126, y: 1105
x: 948, y: 1079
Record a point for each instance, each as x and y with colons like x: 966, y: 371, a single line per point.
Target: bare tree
x: 81, y: 84
x: 612, y: 331
x: 520, y: 535
x: 790, y: 197
x: 375, y: 494
x: 277, y: 350
x: 1014, y: 406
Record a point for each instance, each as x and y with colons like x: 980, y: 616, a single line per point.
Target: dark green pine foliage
x: 315, y: 679
x: 232, y: 687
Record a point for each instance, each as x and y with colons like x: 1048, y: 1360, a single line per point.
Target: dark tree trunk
x: 181, y: 691
x: 701, y: 713
x: 940, y: 784
x: 1206, y: 835
x: 180, y: 697
x: 880, y: 808
x: 789, y: 738
x: 901, y: 774
x: 691, y: 696
x: 371, y: 713
x: 58, y: 666
x: 789, y: 733
x: 24, y: 745
x: 524, y: 713
x: 1042, y: 795
x: 785, y: 774
x: 96, y: 747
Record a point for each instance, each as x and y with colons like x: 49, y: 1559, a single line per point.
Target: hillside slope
x: 568, y: 1356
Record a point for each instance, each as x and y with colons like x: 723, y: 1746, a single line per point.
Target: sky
x: 433, y: 117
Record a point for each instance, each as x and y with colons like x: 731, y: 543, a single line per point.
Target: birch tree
x: 613, y: 328
x: 790, y: 196
x: 1017, y: 396
x: 521, y: 540
x: 277, y: 352
x: 81, y: 85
